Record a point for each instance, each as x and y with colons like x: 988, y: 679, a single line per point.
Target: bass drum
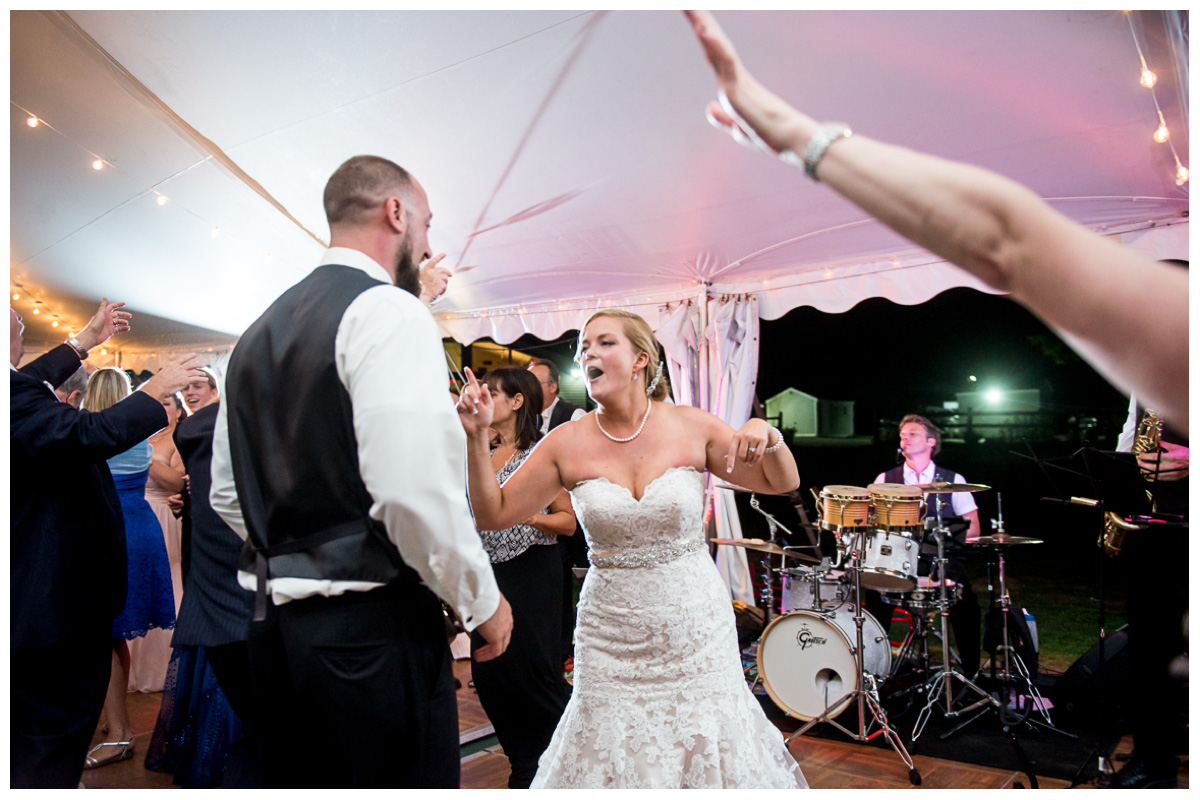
x: 806, y: 660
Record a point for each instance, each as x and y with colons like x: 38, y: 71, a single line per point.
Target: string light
x: 98, y: 165
x: 216, y: 231
x: 161, y: 200
x: 103, y: 351
x: 16, y: 296
x: 54, y: 324
x: 36, y: 311
x: 1162, y: 135
x: 32, y: 122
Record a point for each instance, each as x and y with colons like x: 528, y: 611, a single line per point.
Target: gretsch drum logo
x: 806, y: 638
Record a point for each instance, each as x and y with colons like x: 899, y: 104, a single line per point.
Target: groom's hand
x: 496, y: 631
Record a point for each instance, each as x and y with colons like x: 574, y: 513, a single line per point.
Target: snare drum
x: 807, y: 664
x: 800, y: 586
x: 845, y: 507
x: 897, y: 506
x: 890, y: 560
x: 927, y: 595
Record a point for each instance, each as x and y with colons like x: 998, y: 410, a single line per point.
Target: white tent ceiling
x: 565, y: 153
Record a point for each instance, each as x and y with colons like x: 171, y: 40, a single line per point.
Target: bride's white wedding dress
x: 660, y: 700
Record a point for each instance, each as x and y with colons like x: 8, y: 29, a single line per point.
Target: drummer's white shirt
x: 961, y: 502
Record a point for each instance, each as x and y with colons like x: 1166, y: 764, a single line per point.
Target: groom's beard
x: 408, y: 276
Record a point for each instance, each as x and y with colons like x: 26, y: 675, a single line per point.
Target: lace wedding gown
x: 660, y: 700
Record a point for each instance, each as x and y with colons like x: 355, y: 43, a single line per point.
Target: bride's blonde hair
x: 638, y: 332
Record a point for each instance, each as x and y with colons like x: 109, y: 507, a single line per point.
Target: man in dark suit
x: 215, y: 608
x: 572, y: 549
x: 67, y: 540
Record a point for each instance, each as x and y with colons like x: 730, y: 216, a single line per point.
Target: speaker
x: 1079, y: 690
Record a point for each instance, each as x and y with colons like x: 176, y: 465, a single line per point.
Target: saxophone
x: 1146, y: 440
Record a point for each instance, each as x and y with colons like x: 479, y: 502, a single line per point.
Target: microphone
x: 1072, y: 501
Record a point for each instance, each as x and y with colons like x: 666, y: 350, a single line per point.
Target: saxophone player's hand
x: 1171, y: 464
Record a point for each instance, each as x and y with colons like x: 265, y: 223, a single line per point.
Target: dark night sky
x: 892, y: 359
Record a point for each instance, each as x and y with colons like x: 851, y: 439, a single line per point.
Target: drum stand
x: 864, y: 690
x: 944, y: 680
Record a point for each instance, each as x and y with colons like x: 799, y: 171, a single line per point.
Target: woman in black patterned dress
x: 523, y: 691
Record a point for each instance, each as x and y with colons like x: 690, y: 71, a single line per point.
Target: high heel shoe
x: 126, y: 751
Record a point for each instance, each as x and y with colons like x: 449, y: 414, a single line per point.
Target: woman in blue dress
x: 149, y: 602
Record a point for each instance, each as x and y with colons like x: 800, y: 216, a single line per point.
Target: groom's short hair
x: 360, y: 184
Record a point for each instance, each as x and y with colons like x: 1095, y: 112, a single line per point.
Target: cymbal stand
x: 1012, y: 663
x: 943, y: 682
x: 864, y: 691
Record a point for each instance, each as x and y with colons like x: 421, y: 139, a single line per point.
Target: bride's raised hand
x: 474, y: 406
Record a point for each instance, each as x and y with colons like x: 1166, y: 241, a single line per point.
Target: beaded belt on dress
x: 645, y: 556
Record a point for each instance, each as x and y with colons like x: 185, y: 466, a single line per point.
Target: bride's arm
x: 740, y: 456
x: 534, y: 485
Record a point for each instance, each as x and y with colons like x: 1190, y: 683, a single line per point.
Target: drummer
x: 920, y: 441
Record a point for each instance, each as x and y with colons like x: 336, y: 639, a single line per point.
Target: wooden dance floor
x: 827, y: 764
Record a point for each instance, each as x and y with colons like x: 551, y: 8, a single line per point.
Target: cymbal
x: 1004, y: 540
x: 950, y: 488
x: 751, y: 544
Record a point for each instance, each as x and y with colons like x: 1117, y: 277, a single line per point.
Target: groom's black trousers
x: 356, y: 690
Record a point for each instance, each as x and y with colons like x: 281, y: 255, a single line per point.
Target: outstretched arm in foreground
x: 1127, y: 314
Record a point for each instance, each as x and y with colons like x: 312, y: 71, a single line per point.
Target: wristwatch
x: 79, y: 349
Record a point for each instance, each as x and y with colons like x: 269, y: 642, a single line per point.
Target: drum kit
x: 825, y: 653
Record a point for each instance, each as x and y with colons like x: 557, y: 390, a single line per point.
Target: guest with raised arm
x: 1092, y: 291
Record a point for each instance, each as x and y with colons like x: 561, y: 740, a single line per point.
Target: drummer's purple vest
x: 292, y: 441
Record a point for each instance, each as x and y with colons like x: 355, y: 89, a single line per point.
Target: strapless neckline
x: 645, y: 489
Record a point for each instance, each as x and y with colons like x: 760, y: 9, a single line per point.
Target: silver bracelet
x: 778, y: 442
x: 826, y: 135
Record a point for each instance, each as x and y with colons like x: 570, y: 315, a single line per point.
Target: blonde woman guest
x: 148, y: 597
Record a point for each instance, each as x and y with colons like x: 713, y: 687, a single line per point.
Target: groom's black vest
x: 291, y: 438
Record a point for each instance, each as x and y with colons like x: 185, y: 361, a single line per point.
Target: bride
x: 660, y: 700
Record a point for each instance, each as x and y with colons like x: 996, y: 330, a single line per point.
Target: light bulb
x: 1148, y: 78
x: 35, y: 311
x: 103, y: 351
x: 1161, y: 134
x: 1181, y: 177
x: 216, y: 231
x: 97, y: 165
x: 54, y: 324
x: 161, y: 200
x: 16, y: 296
x: 32, y: 122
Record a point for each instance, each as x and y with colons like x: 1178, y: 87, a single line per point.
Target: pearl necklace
x: 636, y: 433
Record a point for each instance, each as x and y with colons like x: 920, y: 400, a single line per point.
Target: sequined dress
x: 660, y: 700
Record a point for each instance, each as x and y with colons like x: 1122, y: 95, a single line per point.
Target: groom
x: 346, y: 477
